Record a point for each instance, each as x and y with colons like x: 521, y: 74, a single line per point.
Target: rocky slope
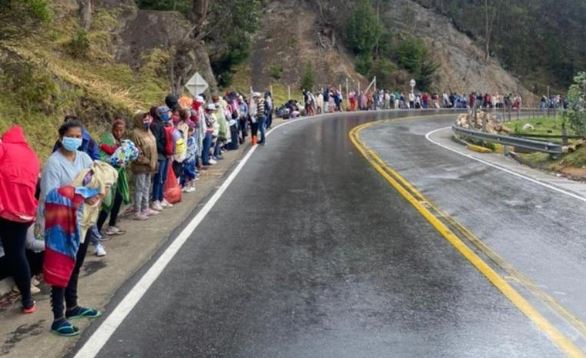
x: 296, y: 32
x: 124, y: 62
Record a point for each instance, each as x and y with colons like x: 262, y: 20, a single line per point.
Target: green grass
x: 95, y: 87
x: 544, y: 125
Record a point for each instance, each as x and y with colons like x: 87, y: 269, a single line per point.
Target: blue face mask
x: 71, y: 144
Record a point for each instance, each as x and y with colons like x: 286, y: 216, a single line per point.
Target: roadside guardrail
x: 529, y: 144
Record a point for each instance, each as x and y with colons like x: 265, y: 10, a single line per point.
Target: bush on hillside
x: 576, y: 113
x: 79, y: 45
x: 308, y: 78
x: 363, y: 29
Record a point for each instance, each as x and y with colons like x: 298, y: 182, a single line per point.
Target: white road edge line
x: 549, y: 186
x: 100, y: 337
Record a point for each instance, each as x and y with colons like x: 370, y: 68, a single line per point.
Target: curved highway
x: 310, y: 252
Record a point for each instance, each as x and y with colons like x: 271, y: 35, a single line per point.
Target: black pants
x: 13, y: 236
x: 254, y: 128
x: 269, y: 122
x: 113, y: 212
x: 243, y: 124
x: 70, y: 292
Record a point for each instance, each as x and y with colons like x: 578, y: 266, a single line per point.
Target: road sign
x: 196, y: 85
x: 412, y: 83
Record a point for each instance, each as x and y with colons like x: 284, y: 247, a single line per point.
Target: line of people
x: 49, y: 218
x: 331, y: 100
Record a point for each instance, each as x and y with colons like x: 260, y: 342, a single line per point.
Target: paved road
x: 310, y: 253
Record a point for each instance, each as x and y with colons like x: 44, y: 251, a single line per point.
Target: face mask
x: 71, y: 144
x: 146, y: 125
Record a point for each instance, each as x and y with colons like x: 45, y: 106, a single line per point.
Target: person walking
x: 19, y: 173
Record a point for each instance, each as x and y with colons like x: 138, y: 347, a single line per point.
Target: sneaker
x: 113, y: 230
x: 191, y: 189
x: 157, y: 206
x: 140, y: 216
x: 212, y: 161
x: 100, y: 251
x: 166, y: 204
x: 150, y: 212
x: 185, y: 189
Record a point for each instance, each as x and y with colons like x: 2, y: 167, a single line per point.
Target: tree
x: 576, y: 113
x: 412, y: 54
x: 228, y: 33
x: 308, y: 78
x: 363, y: 28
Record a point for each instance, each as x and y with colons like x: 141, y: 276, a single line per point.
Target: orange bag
x: 172, y: 190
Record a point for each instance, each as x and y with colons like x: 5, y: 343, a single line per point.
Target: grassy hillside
x: 61, y: 69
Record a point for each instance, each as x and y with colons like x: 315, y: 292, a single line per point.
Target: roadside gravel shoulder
x: 29, y: 335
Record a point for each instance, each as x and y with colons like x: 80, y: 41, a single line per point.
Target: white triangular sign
x: 196, y: 85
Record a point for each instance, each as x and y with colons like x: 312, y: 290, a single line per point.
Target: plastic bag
x: 172, y: 190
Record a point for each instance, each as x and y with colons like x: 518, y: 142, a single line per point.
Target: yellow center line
x: 519, y: 277
x: 421, y: 205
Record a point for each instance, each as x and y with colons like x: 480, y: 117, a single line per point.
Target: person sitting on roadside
x: 19, y: 173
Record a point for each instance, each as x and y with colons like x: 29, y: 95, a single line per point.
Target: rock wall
x: 462, y: 65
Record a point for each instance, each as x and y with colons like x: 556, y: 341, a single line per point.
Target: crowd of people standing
x: 49, y: 218
x: 332, y: 100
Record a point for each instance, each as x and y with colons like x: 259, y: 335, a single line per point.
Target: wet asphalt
x: 310, y: 253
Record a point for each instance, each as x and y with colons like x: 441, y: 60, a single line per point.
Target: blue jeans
x: 159, y: 180
x: 262, y: 126
x: 205, y: 153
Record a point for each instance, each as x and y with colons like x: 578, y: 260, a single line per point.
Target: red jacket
x: 19, y: 173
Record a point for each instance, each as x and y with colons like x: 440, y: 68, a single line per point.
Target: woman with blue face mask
x: 62, y: 167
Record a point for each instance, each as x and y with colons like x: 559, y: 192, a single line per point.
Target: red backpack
x: 169, y: 142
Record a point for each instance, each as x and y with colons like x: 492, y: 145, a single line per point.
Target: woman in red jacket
x: 19, y: 173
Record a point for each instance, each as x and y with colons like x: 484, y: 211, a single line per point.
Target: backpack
x: 169, y: 142
x: 180, y: 148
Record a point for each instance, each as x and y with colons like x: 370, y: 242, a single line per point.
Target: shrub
x: 308, y: 78
x: 276, y: 72
x: 79, y: 45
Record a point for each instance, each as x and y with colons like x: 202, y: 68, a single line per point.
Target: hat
x: 200, y: 99
x: 211, y: 107
x: 172, y: 102
x: 256, y: 94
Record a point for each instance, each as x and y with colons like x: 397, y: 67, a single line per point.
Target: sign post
x: 196, y: 85
x: 412, y: 83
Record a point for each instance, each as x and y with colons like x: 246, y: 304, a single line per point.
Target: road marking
x: 558, y: 338
x: 535, y: 181
x: 101, y: 336
x: 512, y: 272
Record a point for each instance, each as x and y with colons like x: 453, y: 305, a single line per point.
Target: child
x: 189, y: 167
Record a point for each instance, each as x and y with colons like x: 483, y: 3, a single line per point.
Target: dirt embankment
x: 294, y: 34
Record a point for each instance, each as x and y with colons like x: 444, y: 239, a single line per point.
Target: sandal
x: 64, y: 328
x: 82, y: 312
